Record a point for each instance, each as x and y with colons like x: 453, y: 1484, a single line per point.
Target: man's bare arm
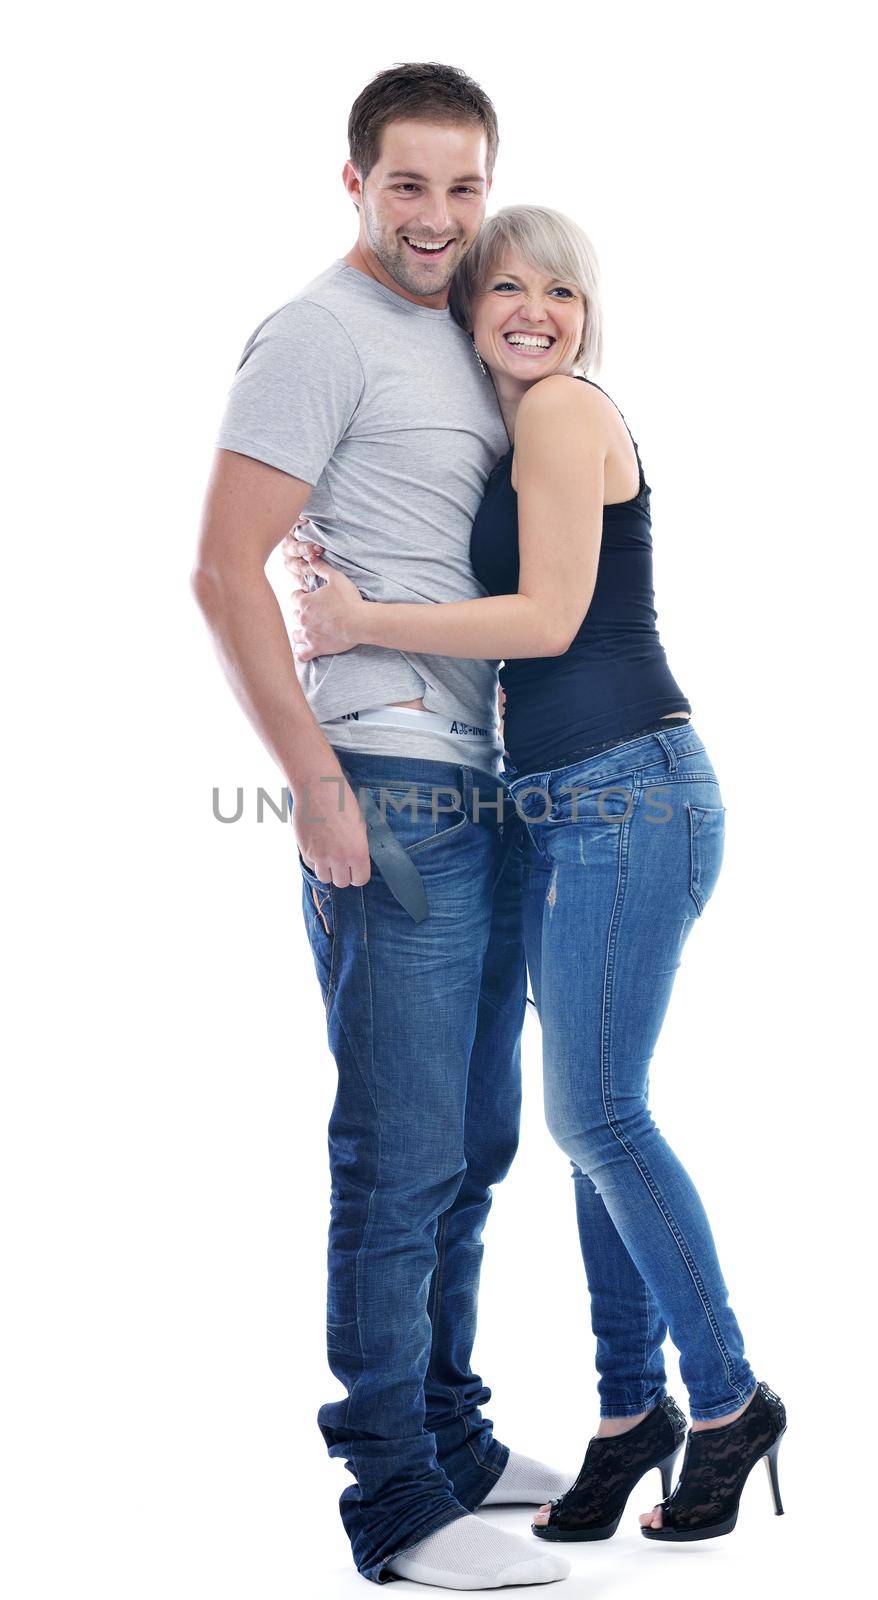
x: 248, y: 508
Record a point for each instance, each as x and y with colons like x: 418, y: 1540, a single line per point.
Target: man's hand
x: 330, y: 832
x: 328, y: 619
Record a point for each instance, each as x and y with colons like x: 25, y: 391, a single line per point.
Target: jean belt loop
x: 669, y: 750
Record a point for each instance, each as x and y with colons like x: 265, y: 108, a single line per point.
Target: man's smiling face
x: 423, y: 203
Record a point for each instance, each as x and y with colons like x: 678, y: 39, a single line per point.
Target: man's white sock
x: 468, y: 1554
x: 529, y: 1483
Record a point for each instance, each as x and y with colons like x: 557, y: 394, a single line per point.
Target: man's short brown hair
x: 417, y: 89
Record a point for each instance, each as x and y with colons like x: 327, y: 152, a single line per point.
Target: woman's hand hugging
x: 328, y: 620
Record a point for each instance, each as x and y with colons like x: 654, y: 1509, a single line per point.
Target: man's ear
x: 350, y: 177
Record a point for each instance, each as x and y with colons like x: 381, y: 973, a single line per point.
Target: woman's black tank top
x: 614, y: 681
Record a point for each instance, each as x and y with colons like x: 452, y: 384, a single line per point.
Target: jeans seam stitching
x: 607, y: 1097
x: 333, y: 954
x: 682, y: 1246
x: 436, y: 838
x: 483, y: 1464
x: 370, y: 1089
x: 647, y: 1308
x: 437, y: 1302
x: 693, y: 874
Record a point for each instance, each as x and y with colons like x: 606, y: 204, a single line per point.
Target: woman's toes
x: 542, y: 1516
x: 651, y: 1519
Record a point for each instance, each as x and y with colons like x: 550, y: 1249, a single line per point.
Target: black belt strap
x: 397, y: 869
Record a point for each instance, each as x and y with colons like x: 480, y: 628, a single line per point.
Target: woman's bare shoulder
x: 562, y: 398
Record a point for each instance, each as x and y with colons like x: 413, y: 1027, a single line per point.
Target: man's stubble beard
x: 390, y: 249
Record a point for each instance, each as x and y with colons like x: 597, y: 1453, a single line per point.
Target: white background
x: 175, y: 176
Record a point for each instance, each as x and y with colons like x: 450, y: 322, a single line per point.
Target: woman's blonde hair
x: 547, y: 240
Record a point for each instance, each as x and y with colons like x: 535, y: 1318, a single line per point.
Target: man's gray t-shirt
x: 381, y: 405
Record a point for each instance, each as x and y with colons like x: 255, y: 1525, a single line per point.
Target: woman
x: 623, y: 842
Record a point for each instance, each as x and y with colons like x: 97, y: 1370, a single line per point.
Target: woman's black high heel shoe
x: 592, y: 1508
x: 715, y: 1468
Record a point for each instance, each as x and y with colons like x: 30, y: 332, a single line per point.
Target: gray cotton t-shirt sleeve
x: 296, y: 389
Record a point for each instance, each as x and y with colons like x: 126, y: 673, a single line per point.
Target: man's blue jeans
x: 621, y: 852
x: 424, y: 1020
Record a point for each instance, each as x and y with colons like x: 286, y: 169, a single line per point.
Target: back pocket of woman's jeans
x: 707, y: 832
x: 318, y: 910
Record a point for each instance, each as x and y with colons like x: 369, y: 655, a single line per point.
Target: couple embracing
x: 464, y: 494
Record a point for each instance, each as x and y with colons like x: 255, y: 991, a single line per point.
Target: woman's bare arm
x: 561, y: 446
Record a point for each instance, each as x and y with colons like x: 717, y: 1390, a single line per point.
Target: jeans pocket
x: 418, y: 814
x: 591, y: 805
x: 319, y: 912
x: 707, y: 831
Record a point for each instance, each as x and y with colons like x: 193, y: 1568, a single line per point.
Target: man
x: 363, y: 401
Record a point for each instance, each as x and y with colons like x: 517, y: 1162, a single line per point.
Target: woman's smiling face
x: 526, y: 325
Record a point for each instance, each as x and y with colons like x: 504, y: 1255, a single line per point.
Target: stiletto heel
x: 666, y: 1468
x: 592, y: 1508
x: 770, y: 1459
x: 716, y: 1466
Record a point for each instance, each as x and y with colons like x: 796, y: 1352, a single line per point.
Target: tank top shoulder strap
x: 594, y: 385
